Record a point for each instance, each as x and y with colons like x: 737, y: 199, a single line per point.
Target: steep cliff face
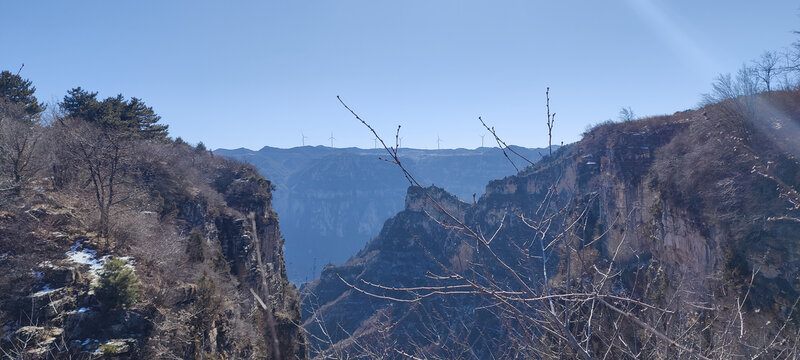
x: 203, y: 242
x: 696, y: 213
x: 250, y: 241
x: 397, y: 257
x: 332, y: 201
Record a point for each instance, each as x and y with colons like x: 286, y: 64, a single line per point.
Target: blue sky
x: 256, y: 73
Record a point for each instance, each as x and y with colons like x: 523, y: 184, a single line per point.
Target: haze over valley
x: 332, y: 201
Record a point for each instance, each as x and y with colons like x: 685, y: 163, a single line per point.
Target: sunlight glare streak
x: 683, y: 45
x: 779, y: 127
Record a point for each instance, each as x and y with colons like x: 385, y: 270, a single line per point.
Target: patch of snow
x: 46, y: 290
x: 89, y: 257
x: 85, y: 257
x: 127, y: 259
x: 87, y: 342
x: 82, y: 310
x: 591, y: 163
x: 76, y: 246
x: 37, y: 274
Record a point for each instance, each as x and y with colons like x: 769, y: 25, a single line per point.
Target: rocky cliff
x: 202, y: 241
x: 332, y: 201
x: 671, y: 237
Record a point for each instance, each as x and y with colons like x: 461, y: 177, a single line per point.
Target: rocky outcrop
x: 332, y: 201
x: 701, y: 206
x: 205, y: 259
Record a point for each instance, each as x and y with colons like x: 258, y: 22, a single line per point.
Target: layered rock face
x: 206, y: 251
x: 332, y: 201
x: 687, y: 224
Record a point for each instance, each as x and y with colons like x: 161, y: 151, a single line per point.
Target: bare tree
x: 556, y: 297
x: 739, y: 92
x: 104, y: 155
x: 726, y: 86
x: 766, y: 68
x: 19, y: 136
x: 551, y: 119
x: 531, y: 308
x: 626, y: 114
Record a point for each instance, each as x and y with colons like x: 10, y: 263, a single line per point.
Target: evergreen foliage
x: 130, y: 117
x: 79, y: 103
x: 118, y: 284
x: 19, y: 91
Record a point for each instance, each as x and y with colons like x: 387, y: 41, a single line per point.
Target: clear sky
x: 255, y: 73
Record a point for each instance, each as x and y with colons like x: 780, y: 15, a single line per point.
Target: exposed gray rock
x: 332, y: 201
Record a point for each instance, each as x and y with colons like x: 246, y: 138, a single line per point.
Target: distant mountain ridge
x: 333, y: 200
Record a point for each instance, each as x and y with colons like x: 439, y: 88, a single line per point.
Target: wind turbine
x: 482, y: 139
x: 375, y: 140
x: 400, y: 142
x: 332, y: 138
x: 438, y: 142
x: 304, y: 138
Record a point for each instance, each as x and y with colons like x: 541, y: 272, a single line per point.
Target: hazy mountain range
x: 332, y: 201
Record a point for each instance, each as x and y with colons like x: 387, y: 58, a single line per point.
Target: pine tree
x: 80, y: 103
x: 144, y: 118
x: 130, y: 117
x: 118, y: 284
x: 19, y: 91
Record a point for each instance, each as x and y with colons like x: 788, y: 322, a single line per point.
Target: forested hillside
x: 116, y: 240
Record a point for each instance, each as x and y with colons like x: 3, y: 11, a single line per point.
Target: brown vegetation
x: 668, y: 237
x: 178, y: 213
